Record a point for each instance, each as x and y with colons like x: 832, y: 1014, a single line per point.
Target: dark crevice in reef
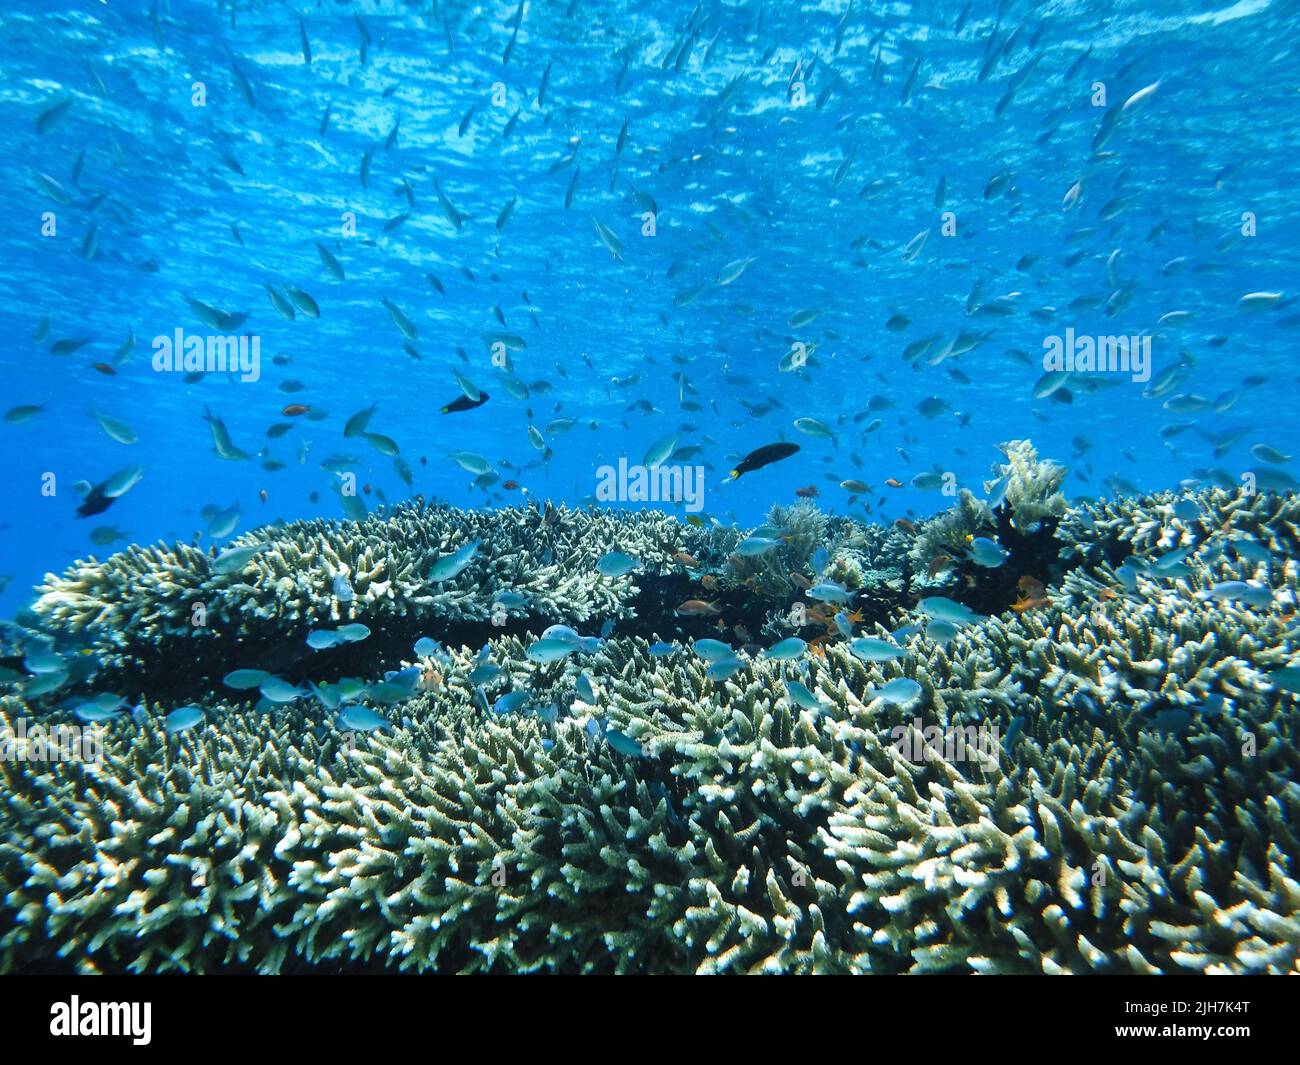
x: 1034, y: 554
x: 181, y: 670
x: 188, y: 669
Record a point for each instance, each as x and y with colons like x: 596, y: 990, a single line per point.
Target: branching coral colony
x: 1137, y: 811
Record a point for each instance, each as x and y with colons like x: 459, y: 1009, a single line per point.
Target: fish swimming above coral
x: 763, y: 456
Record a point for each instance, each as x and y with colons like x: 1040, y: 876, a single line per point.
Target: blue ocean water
x: 767, y: 172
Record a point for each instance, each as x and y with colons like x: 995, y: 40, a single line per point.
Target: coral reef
x: 1033, y: 486
x: 1110, y: 529
x: 1126, y: 801
x: 146, y: 604
x: 949, y: 533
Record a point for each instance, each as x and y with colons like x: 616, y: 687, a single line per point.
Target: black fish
x: 463, y: 402
x: 764, y: 456
x: 96, y: 502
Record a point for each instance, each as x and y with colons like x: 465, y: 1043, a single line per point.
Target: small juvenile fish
x: 470, y: 462
x: 404, y: 325
x: 509, y: 702
x: 900, y: 691
x: 1258, y: 301
x: 812, y: 427
x: 243, y: 679
x: 1252, y: 550
x: 801, y: 696
x: 913, y: 247
x: 1226, y: 591
x: 115, y: 428
x: 624, y: 744
x: 986, y: 553
x: 609, y: 238
x: 724, y: 668
x: 786, y: 650
x: 279, y: 690
x: 303, y: 301
x: 92, y: 714
x: 234, y: 559
x: 546, y: 651
x: 506, y: 211
x: 41, y: 662
x: 871, y: 649
x: 616, y: 564
x: 322, y: 639
x: 829, y: 592
x: 25, y: 413
x: 1140, y: 97
x: 282, y: 305
x: 52, y: 116
x: 944, y: 609
x: 182, y: 720
x: 451, y: 566
x: 485, y: 673
x: 1270, y: 454
x: 330, y: 262
x: 713, y: 650
x: 385, y: 445
x: 361, y: 719
x: 941, y: 632
x: 733, y: 271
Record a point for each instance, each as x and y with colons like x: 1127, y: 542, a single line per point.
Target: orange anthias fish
x: 1030, y: 587
x: 893, y: 483
x: 807, y: 492
x: 698, y: 608
x: 821, y: 615
x: 906, y: 526
x: 938, y: 564
x: 686, y: 559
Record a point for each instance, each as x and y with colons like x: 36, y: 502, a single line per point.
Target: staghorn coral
x: 751, y: 835
x: 149, y: 594
x: 752, y: 838
x: 1033, y: 486
x: 1111, y: 529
